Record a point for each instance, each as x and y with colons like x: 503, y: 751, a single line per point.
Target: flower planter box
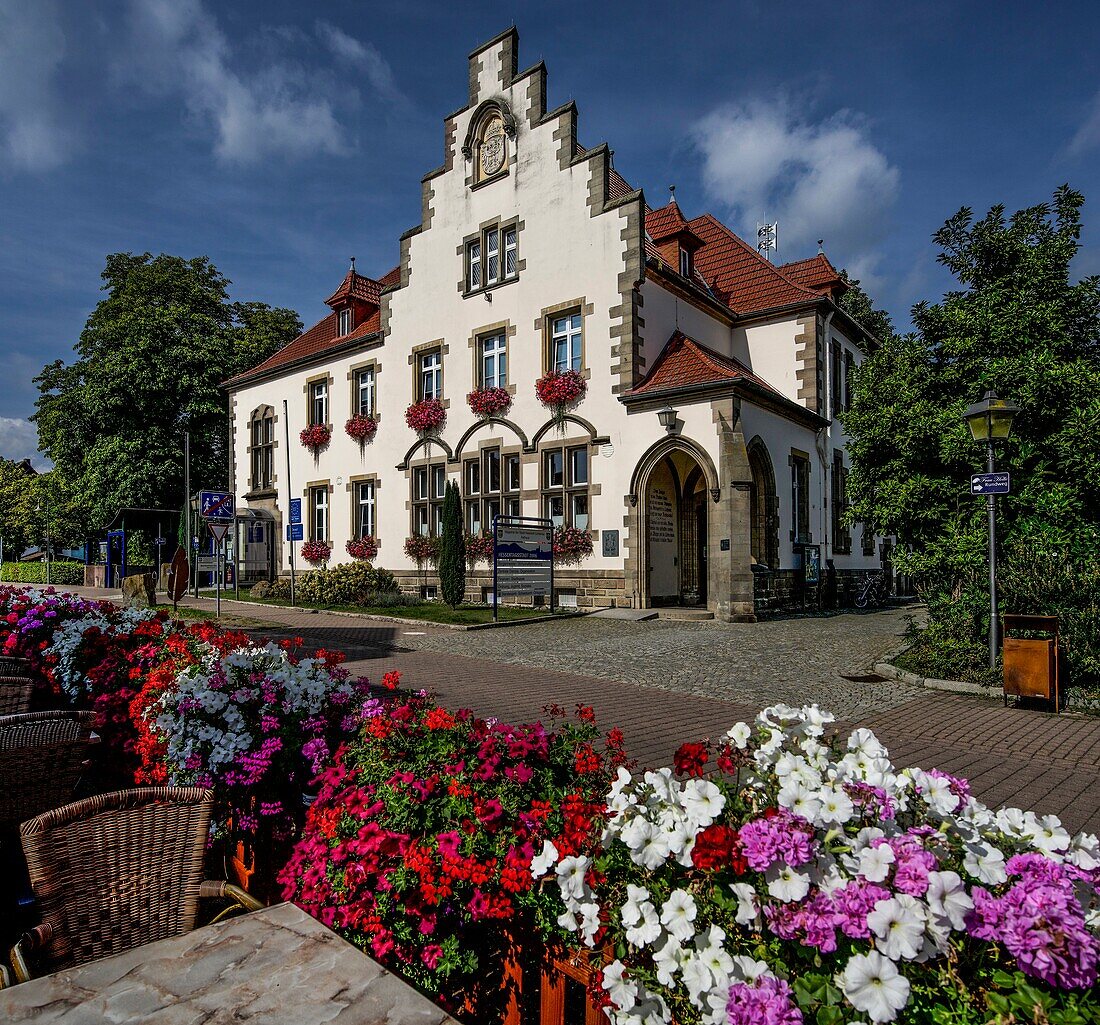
x: 568, y: 979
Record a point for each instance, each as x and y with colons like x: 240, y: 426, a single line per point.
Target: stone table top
x: 272, y: 967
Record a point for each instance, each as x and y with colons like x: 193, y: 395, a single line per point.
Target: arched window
x: 491, y: 153
x: 262, y: 448
x: 765, y: 507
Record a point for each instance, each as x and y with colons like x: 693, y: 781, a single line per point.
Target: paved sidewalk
x: 1031, y: 759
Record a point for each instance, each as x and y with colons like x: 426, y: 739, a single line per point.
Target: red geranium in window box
x: 361, y: 428
x: 316, y: 551
x: 362, y: 547
x: 421, y: 548
x: 478, y: 547
x: 426, y: 415
x: 315, y: 436
x: 487, y: 402
x: 559, y: 389
x: 571, y: 544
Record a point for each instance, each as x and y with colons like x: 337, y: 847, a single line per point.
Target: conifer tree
x: 452, y: 549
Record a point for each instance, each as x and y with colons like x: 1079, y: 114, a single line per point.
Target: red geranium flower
x: 691, y: 759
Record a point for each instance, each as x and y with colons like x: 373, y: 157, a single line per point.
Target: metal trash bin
x: 1031, y: 663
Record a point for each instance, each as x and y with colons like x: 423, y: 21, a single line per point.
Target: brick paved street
x: 666, y: 682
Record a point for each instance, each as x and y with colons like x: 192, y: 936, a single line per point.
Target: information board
x: 523, y: 557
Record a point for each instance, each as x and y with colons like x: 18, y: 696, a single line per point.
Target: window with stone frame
x: 318, y: 402
x: 365, y: 509
x: 429, y: 375
x: 800, y: 498
x: 842, y: 538
x: 262, y: 448
x: 565, y: 484
x: 493, y: 360
x: 428, y: 485
x: 364, y: 391
x: 565, y: 341
x: 490, y: 488
x: 868, y: 540
x: 492, y: 257
x: 849, y: 366
x: 318, y: 513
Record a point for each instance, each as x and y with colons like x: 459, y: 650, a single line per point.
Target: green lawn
x: 430, y: 612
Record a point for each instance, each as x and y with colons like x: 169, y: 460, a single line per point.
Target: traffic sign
x: 160, y: 541
x: 219, y: 529
x: 295, y: 510
x: 990, y: 484
x: 216, y: 505
x: 295, y: 532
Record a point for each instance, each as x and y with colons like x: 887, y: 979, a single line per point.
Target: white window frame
x: 364, y: 388
x: 473, y: 265
x: 685, y: 263
x: 510, y: 265
x: 318, y: 402
x: 494, y: 361
x: 367, y: 509
x: 345, y: 321
x: 492, y: 253
x: 430, y: 365
x: 567, y: 335
x: 318, y: 513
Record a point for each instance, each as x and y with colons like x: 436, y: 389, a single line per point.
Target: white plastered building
x: 533, y: 255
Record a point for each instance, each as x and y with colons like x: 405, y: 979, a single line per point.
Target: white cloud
x: 364, y: 56
x: 19, y: 440
x: 1088, y: 135
x: 277, y: 109
x: 33, y: 136
x: 763, y: 160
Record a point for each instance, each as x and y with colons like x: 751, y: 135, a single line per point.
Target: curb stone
x: 954, y: 686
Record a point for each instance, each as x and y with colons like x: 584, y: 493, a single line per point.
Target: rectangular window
x: 473, y: 265
x: 511, y: 265
x: 263, y: 452
x: 492, y: 256
x: 318, y: 513
x: 565, y: 343
x: 473, y: 477
x: 345, y: 322
x: 365, y: 391
x: 431, y: 375
x: 511, y: 473
x: 492, y: 471
x: 367, y: 523
x: 685, y: 263
x: 800, y: 499
x: 834, y: 377
x: 565, y: 498
x: 473, y: 517
x: 494, y: 362
x: 428, y: 484
x: 849, y: 365
x: 868, y: 540
x: 842, y: 541
x: 318, y: 402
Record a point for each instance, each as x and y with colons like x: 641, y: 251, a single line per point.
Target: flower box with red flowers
x: 479, y: 547
x: 560, y: 388
x: 487, y: 402
x: 362, y: 548
x: 571, y: 544
x: 422, y: 548
x: 316, y: 551
x: 426, y: 415
x: 360, y: 428
x: 315, y: 436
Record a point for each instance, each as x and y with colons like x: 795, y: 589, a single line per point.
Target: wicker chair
x: 117, y: 871
x: 13, y: 665
x: 41, y: 758
x: 15, y: 694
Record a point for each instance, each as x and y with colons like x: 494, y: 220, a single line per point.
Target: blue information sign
x: 296, y: 511
x: 990, y: 484
x: 216, y: 505
x: 295, y: 532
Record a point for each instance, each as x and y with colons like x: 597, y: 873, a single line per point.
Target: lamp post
x: 990, y: 420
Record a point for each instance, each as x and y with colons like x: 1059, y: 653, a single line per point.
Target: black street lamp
x: 989, y: 421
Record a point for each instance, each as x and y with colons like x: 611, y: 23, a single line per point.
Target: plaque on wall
x: 610, y: 543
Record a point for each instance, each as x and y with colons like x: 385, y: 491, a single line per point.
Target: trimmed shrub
x: 35, y: 573
x: 350, y: 583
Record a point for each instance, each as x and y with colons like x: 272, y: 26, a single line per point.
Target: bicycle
x: 872, y: 591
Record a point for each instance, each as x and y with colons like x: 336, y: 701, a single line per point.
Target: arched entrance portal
x: 675, y: 520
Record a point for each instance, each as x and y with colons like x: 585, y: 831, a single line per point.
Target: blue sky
x: 279, y: 138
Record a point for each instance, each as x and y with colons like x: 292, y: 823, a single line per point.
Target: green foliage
x: 452, y: 549
x: 857, y: 303
x: 1017, y: 324
x: 148, y: 367
x: 24, y: 499
x: 349, y: 583
x: 35, y: 573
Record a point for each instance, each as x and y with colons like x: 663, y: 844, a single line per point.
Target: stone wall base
x: 782, y: 589
x: 589, y: 588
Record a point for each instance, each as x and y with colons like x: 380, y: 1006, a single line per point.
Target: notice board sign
x: 523, y: 557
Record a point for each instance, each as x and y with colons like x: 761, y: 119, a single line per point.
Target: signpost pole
x: 991, y: 508
x: 289, y: 492
x: 219, y: 563
x: 496, y: 596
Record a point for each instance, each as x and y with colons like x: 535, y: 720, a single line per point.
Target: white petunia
x: 622, y: 991
x: 873, y: 984
x: 747, y: 905
x: 697, y: 979
x: 646, y: 930
x: 649, y: 846
x: 985, y: 863
x: 1047, y: 835
x: 785, y: 884
x: 1084, y: 852
x: 713, y: 953
x: 540, y: 864
x: 835, y: 807
x: 875, y: 862
x: 898, y: 925
x: 947, y: 898
x: 668, y: 960
x: 738, y: 735
x: 703, y: 802
x: 590, y: 921
x: 748, y: 969
x: 570, y: 875
x: 636, y: 896
x: 799, y: 799
x: 678, y: 914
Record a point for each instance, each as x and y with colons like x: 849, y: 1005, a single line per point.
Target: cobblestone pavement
x: 641, y: 677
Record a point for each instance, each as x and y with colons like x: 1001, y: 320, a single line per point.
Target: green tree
x: 25, y: 499
x: 452, y: 549
x: 148, y: 367
x: 1018, y: 324
x: 856, y: 302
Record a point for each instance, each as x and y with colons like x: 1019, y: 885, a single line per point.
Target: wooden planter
x: 569, y: 980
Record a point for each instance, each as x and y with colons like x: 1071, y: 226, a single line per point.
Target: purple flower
x: 812, y: 921
x: 853, y: 903
x: 766, y: 1002
x: 782, y: 837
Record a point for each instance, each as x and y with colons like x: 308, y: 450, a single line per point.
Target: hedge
x: 35, y: 572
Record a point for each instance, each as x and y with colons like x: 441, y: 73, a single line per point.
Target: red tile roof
x: 390, y: 277
x: 816, y: 273
x: 616, y: 185
x: 667, y: 221
x: 683, y: 361
x: 738, y: 275
x: 355, y: 286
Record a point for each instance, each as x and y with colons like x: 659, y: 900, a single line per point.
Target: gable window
x: 494, y: 361
x: 566, y: 342
x: 428, y: 485
x: 800, y: 498
x: 565, y: 486
x: 263, y: 448
x: 430, y: 376
x: 364, y: 391
x: 318, y: 402
x: 365, y: 519
x: 492, y: 257
x: 685, y: 263
x: 345, y: 321
x: 318, y: 513
x: 473, y: 265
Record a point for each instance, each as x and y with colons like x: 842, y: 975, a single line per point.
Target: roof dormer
x: 672, y: 236
x: 354, y: 301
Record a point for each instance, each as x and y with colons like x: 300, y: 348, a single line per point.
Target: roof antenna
x: 820, y: 244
